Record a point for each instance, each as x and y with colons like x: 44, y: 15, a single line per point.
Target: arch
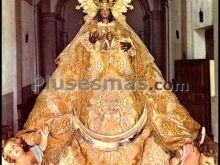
x: 36, y: 2
x: 59, y: 6
x: 151, y: 5
x: 145, y: 6
x: 44, y: 5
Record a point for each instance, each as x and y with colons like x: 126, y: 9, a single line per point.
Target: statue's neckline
x: 106, y: 24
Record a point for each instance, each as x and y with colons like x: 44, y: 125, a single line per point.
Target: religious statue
x: 128, y: 124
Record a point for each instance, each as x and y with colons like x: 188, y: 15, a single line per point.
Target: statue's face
x: 109, y: 36
x: 13, y: 150
x: 204, y: 160
x: 105, y: 13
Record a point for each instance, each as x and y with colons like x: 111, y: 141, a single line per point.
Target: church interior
x: 181, y: 35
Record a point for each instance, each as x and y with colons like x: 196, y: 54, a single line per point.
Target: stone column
x: 215, y: 21
x: 147, y: 29
x: 184, y: 25
x: 48, y: 42
x: 60, y: 37
x: 156, y: 40
x: 189, y: 30
x: 9, y: 65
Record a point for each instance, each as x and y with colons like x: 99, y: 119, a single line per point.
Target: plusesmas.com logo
x: 105, y: 84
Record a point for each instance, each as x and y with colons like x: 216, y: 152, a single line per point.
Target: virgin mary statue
x: 127, y: 123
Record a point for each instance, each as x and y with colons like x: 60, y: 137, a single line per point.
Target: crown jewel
x: 104, y: 4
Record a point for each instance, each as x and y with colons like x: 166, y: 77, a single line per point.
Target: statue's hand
x: 93, y: 37
x: 125, y: 46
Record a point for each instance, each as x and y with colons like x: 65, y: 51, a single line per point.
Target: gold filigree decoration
x: 91, y: 7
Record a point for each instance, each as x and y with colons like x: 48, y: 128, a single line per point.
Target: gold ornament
x: 104, y: 4
x: 91, y: 7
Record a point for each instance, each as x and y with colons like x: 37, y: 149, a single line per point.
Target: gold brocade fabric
x: 108, y: 112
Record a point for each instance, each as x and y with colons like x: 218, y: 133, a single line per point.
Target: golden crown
x: 104, y: 4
